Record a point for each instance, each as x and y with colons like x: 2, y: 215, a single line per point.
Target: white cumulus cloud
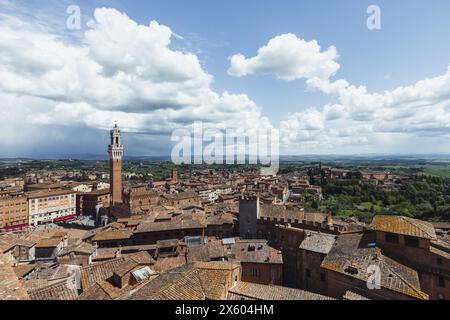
x: 119, y: 70
x: 288, y: 58
x: 357, y: 119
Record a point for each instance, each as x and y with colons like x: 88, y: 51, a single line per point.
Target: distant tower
x: 249, y: 213
x: 174, y: 175
x: 115, y: 151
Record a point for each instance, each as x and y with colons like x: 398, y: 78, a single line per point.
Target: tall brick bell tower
x: 115, y: 151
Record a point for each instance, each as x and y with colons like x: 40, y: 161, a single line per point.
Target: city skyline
x: 316, y: 73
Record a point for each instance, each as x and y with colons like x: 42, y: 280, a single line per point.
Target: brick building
x: 260, y: 263
x: 13, y: 211
x: 182, y: 199
x: 313, y: 250
x: 287, y: 239
x: 249, y: 213
x: 352, y: 264
x: 140, y: 199
x: 115, y: 151
x: 94, y: 201
x: 415, y: 243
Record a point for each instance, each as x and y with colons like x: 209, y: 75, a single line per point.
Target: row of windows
x: 12, y: 211
x: 33, y: 201
x: 61, y: 212
x: 409, y: 241
x: 256, y: 273
x: 12, y: 218
x: 13, y: 204
x: 52, y: 198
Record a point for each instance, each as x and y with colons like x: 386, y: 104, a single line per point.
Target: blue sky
x: 414, y: 33
x: 412, y: 45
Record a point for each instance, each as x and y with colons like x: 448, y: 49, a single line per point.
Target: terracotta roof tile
x: 98, y: 272
x: 317, y: 242
x: 194, y: 281
x: 112, y: 235
x: 257, y: 251
x: 65, y: 290
x: 349, y: 257
x: 349, y: 295
x: 253, y: 291
x: 10, y: 286
x: 169, y: 225
x: 404, y: 225
x: 181, y: 283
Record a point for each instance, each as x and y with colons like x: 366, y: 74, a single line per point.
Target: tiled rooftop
x: 92, y: 274
x: 214, y: 277
x: 65, y: 290
x: 113, y: 235
x: 181, y: 283
x: 48, y: 243
x: 317, y: 242
x: 24, y: 269
x: 257, y: 251
x: 350, y: 257
x: 98, y: 272
x: 141, y: 258
x: 404, y: 225
x: 169, y: 225
x: 194, y: 281
x: 280, y: 212
x: 10, y: 286
x: 253, y: 291
x: 349, y: 295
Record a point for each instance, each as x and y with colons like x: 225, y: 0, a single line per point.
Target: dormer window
x: 351, y: 270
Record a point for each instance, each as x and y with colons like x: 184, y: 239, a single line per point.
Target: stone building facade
x: 51, y: 206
